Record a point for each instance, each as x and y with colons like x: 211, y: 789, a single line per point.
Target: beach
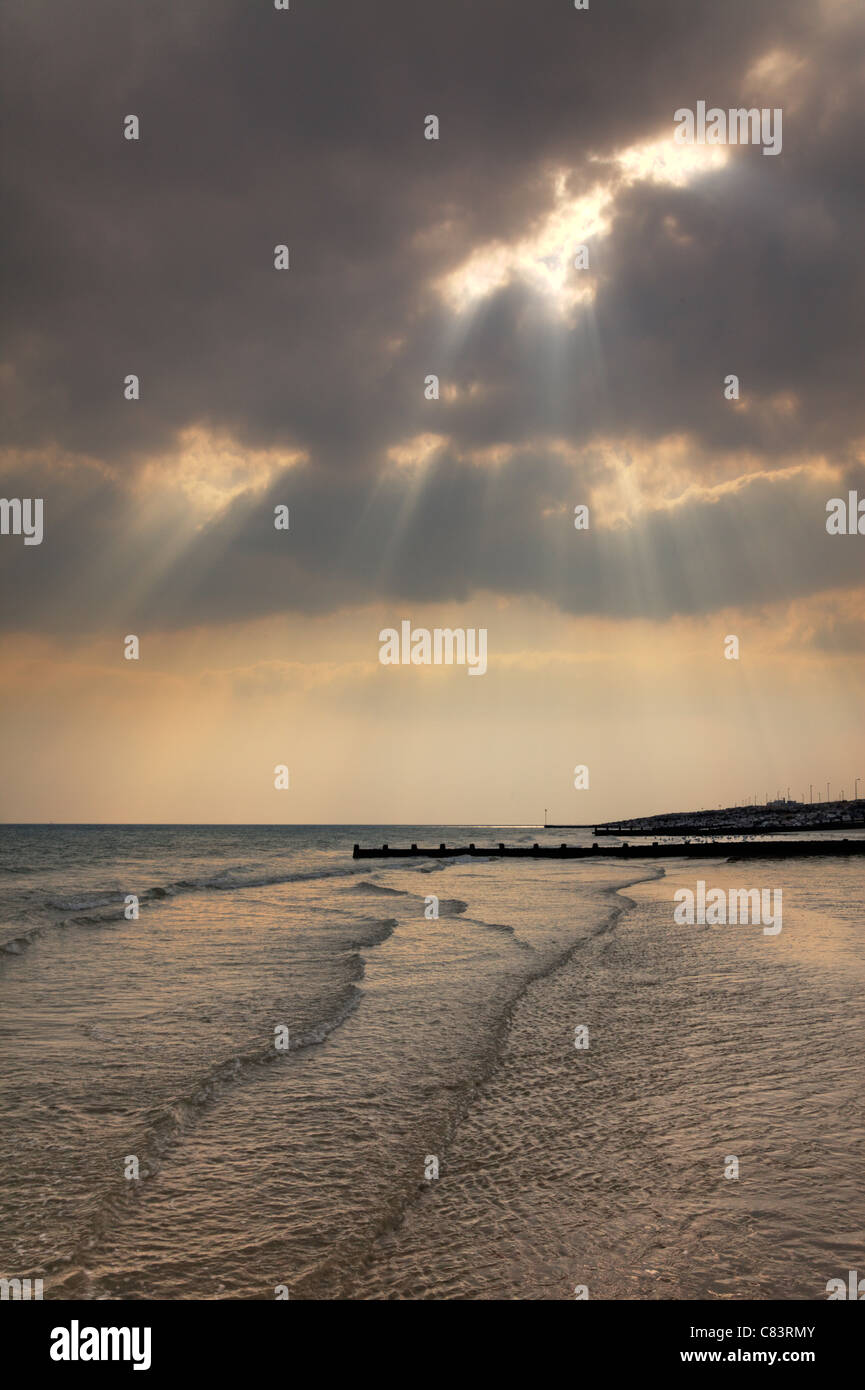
x: 305, y: 1172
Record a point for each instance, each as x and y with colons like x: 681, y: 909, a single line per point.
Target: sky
x: 599, y: 384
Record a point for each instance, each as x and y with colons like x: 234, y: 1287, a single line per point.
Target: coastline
x: 450, y: 1038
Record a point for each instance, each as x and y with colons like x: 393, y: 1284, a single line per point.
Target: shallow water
x: 410, y: 1039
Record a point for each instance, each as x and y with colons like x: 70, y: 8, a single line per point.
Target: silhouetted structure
x: 745, y: 849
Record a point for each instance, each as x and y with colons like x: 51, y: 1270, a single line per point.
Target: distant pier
x: 735, y: 849
x: 759, y: 829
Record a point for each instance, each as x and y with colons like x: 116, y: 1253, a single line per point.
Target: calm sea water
x: 413, y: 1039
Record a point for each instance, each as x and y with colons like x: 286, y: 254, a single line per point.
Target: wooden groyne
x: 713, y: 849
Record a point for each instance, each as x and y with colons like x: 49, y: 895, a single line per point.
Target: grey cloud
x: 460, y: 532
x: 306, y: 127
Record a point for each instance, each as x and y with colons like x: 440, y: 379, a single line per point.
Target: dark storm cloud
x: 464, y: 532
x: 260, y: 127
x: 452, y: 534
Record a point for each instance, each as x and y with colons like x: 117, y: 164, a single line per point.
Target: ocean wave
x: 379, y: 933
x: 467, y: 1093
x: 20, y: 939
x: 502, y: 927
x: 84, y: 910
x: 166, y: 1125
x: 366, y: 886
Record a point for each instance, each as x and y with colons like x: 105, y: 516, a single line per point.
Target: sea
x: 287, y: 1073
